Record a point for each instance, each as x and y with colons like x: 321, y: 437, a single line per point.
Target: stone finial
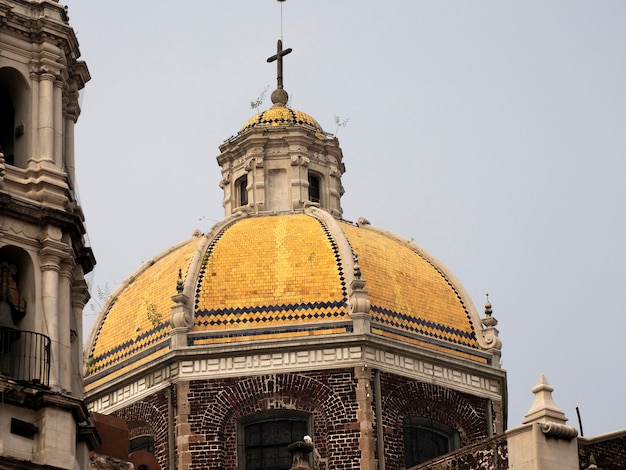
x: 543, y: 409
x: 181, y: 317
x: 592, y: 463
x: 179, y: 282
x: 358, y: 303
x: 490, y: 332
x: 356, y: 267
x: 488, y: 310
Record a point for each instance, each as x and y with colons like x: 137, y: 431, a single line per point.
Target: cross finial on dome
x: 279, y: 96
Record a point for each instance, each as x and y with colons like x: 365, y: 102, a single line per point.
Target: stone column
x: 299, y: 179
x: 65, y: 311
x: 80, y: 296
x: 58, y: 123
x: 365, y: 417
x: 50, y: 299
x: 183, y: 428
x: 46, y: 116
x: 70, y: 120
x: 34, y: 121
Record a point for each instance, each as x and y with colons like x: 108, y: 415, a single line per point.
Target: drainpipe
x: 489, y: 418
x: 379, y: 421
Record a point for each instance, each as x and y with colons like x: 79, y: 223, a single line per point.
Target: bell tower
x: 43, y: 253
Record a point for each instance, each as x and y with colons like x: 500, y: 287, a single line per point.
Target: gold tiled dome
x: 279, y: 115
x: 278, y: 277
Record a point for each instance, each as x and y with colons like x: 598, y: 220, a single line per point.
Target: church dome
x: 279, y: 278
x: 285, y: 272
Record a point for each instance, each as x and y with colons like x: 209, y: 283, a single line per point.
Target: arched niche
x: 18, y: 270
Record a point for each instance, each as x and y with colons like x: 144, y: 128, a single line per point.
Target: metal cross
x: 279, y: 57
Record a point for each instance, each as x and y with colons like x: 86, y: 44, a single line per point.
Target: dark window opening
x: 7, y: 127
x: 314, y: 188
x: 266, y: 443
x: 242, y: 190
x: 145, y: 442
x: 266, y: 435
x: 425, y: 439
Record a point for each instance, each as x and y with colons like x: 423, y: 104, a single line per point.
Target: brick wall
x: 213, y: 409
x: 609, y: 451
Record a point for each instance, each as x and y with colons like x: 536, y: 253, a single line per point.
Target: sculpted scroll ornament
x: 181, y: 315
x: 225, y: 181
x: 255, y: 162
x: 558, y: 431
x: 300, y: 160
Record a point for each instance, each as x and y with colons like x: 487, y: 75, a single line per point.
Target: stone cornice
x: 345, y: 352
x: 70, y: 221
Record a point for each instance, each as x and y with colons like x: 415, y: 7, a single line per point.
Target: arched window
x: 314, y: 187
x: 265, y: 436
x: 241, y: 186
x: 425, y: 439
x: 145, y: 442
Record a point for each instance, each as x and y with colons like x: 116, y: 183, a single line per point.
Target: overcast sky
x: 491, y: 133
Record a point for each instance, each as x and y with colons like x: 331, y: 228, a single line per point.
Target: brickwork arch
x: 413, y: 399
x: 259, y: 393
x: 143, y: 418
x: 332, y: 409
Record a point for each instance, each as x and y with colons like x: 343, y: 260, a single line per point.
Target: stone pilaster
x: 365, y: 417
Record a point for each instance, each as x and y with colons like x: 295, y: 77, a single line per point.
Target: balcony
x: 25, y: 357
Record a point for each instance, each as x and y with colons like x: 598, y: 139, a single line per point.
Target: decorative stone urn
x: 300, y: 451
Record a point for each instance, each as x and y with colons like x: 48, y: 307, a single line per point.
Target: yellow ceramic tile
x: 280, y: 116
x: 276, y: 270
x: 139, y: 317
x: 408, y: 292
x: 253, y: 336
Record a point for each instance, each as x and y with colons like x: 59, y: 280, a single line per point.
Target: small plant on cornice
x: 90, y: 361
x: 256, y: 104
x: 101, y: 296
x: 154, y: 316
x: 340, y: 123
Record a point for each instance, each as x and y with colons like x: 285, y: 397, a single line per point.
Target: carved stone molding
x: 289, y: 361
x: 300, y: 160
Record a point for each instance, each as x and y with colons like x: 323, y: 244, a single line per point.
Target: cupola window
x: 241, y: 186
x: 314, y: 187
x: 266, y: 436
x: 426, y: 439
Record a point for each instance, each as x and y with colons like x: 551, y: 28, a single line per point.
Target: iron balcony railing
x: 25, y: 356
